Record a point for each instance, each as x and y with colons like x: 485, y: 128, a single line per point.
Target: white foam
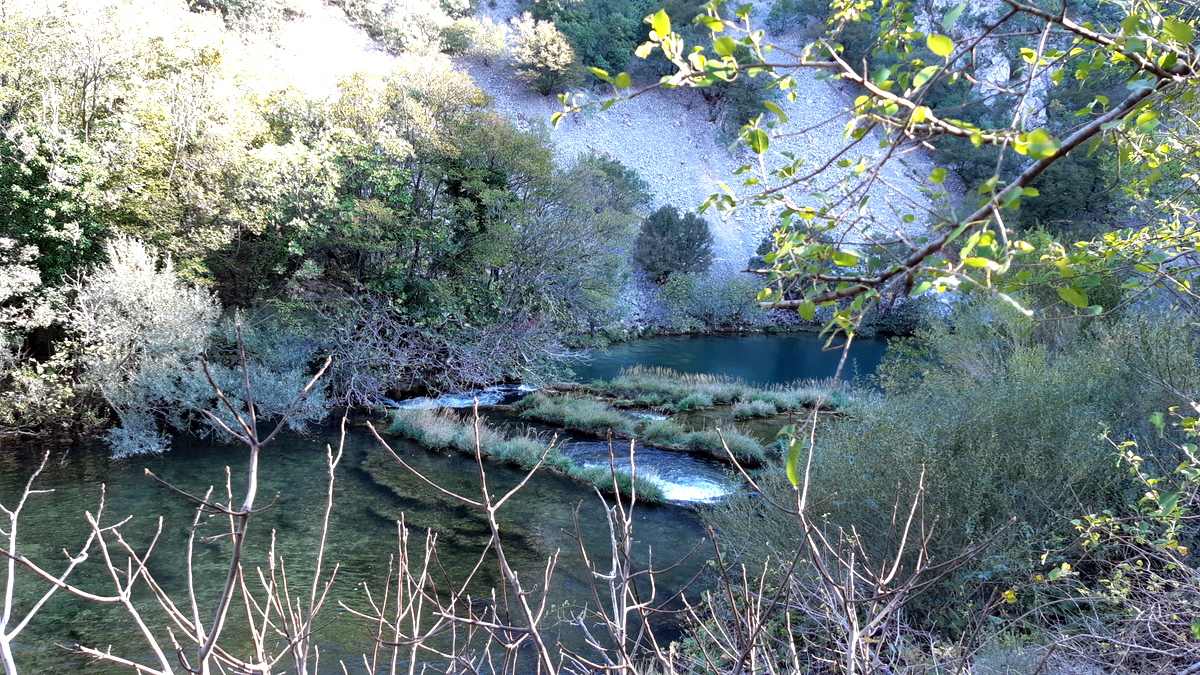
x: 642, y: 414
x: 696, y: 488
x: 465, y: 399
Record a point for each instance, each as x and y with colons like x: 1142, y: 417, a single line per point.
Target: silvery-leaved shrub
x: 541, y: 54
x: 278, y: 363
x: 142, y: 333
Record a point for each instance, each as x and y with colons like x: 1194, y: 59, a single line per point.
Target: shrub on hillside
x: 672, y: 242
x: 542, y: 56
x: 482, y: 39
x: 603, y: 33
x: 699, y: 301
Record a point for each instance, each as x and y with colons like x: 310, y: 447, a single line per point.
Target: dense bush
x: 247, y: 14
x: 53, y: 195
x: 142, y: 334
x: 699, y: 301
x: 483, y: 38
x: 1006, y: 421
x: 541, y: 55
x: 672, y: 242
x: 603, y: 33
x: 409, y: 26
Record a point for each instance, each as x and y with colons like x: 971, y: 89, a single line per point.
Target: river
x: 372, y: 492
x: 768, y: 358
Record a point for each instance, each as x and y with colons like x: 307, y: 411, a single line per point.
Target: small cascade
x: 681, y: 477
x: 646, y: 415
x: 499, y: 394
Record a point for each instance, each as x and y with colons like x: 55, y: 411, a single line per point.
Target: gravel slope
x: 668, y: 138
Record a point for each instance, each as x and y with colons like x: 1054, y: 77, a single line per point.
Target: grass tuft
x: 573, y: 412
x: 744, y: 410
x: 678, y: 392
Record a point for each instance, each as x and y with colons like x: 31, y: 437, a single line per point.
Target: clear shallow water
x: 372, y: 492
x: 758, y: 359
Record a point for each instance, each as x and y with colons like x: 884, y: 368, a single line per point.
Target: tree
x: 53, y: 195
x: 670, y: 242
x: 541, y: 54
x: 603, y: 33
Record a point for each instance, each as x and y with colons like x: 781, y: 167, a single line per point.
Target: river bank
x: 374, y: 491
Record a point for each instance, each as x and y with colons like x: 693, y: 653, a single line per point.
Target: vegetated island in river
x: 619, y: 408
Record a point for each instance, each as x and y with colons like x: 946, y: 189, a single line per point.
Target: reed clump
x: 674, y: 391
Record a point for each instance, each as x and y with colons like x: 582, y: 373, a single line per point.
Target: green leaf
x: 924, y: 75
x: 940, y: 44
x: 951, y: 17
x: 622, y: 81
x: 793, y: 463
x: 776, y: 110
x: 660, y: 23
x: 725, y: 46
x: 1147, y: 120
x: 1041, y: 144
x: 920, y: 114
x: 1073, y: 296
x: 1167, y: 502
x: 1182, y: 32
x: 599, y: 72
x: 807, y: 310
x: 758, y: 139
x: 845, y: 259
x: 938, y: 175
x: 1158, y: 422
x: 1057, y: 572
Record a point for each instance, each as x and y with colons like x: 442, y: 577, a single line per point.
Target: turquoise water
x: 372, y: 493
x: 758, y: 359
